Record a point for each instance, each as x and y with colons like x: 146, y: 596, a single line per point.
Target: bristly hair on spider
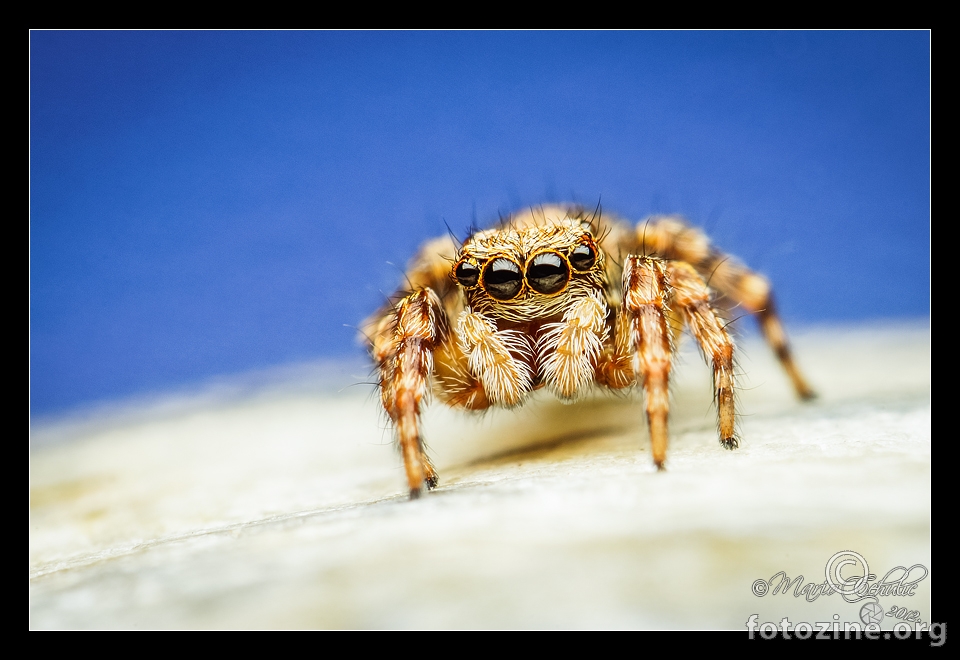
x: 559, y: 298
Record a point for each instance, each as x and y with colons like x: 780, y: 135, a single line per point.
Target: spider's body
x: 554, y: 298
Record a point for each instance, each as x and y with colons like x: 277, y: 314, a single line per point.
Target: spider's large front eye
x: 548, y: 273
x: 583, y: 257
x: 467, y: 274
x: 502, y: 279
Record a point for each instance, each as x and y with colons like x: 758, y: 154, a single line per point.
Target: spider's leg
x: 404, y: 347
x: 402, y: 338
x: 648, y: 338
x: 753, y: 292
x: 690, y: 297
x: 673, y: 239
x: 570, y: 350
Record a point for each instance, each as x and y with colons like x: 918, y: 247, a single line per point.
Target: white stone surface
x: 285, y: 507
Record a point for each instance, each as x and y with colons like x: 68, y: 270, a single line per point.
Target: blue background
x: 205, y: 203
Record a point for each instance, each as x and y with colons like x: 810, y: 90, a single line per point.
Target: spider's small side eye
x: 548, y: 273
x: 502, y: 279
x: 467, y: 274
x: 583, y: 257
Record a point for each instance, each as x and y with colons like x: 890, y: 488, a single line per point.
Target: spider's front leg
x: 644, y: 335
x: 403, y: 348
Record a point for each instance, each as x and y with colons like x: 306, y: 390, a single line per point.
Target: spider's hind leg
x: 753, y: 292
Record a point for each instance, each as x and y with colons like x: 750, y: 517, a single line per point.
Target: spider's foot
x: 807, y: 395
x: 414, y: 493
x: 660, y: 466
x: 432, y: 481
x: 729, y: 443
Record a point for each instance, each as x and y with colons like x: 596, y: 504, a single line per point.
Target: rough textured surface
x: 284, y: 508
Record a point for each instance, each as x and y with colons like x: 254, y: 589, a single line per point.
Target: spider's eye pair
x: 547, y: 272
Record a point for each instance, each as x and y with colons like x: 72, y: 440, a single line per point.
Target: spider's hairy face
x: 525, y: 272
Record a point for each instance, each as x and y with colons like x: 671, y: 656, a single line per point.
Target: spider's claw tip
x: 808, y: 395
x: 660, y: 466
x: 432, y: 482
x: 414, y: 493
x: 729, y: 443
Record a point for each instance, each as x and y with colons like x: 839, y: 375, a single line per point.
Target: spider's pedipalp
x: 490, y: 357
x: 573, y: 346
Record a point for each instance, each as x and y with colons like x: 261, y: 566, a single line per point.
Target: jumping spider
x: 557, y: 298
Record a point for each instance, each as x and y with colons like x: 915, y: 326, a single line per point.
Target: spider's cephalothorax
x: 525, y: 274
x: 554, y: 298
